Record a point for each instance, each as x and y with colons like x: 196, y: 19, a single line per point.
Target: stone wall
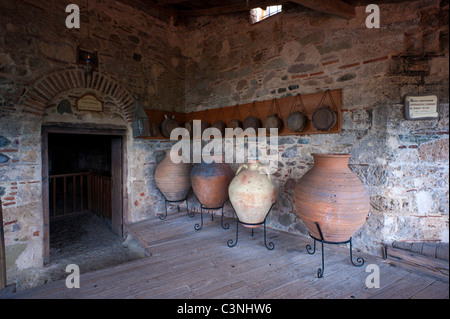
x: 40, y: 82
x: 404, y: 164
x: 222, y: 61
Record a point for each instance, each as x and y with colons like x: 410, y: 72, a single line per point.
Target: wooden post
x: 74, y: 190
x: 2, y: 252
x: 65, y: 195
x: 54, y: 196
x: 81, y: 193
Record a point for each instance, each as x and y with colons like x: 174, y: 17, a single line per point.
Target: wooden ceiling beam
x: 161, y: 8
x: 169, y: 2
x: 150, y: 8
x: 336, y: 7
x: 233, y: 8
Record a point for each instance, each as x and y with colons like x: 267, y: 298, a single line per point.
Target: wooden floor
x: 186, y: 264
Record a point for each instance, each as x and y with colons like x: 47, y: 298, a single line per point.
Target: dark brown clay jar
x: 333, y: 196
x: 210, y: 182
x: 173, y: 179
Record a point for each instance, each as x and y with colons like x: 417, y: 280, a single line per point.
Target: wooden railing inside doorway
x: 77, y: 192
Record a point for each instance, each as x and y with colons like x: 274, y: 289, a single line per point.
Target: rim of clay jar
x: 331, y: 155
x: 253, y: 159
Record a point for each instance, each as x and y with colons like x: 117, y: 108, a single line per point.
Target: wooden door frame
x: 122, y: 200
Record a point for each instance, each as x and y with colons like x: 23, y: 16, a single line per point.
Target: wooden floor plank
x: 405, y: 288
x: 185, y: 263
x: 389, y: 278
x: 346, y: 288
x: 437, y: 290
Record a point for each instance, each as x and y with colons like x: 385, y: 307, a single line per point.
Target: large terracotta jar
x: 331, y: 195
x: 173, y: 179
x: 210, y: 181
x: 252, y: 193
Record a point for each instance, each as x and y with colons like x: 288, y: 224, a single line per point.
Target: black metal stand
x: 320, y: 271
x: 190, y: 214
x: 200, y: 226
x: 269, y: 246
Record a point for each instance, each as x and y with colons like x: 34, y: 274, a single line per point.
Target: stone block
x: 334, y: 47
x: 290, y: 152
x: 436, y: 151
x: 60, y: 51
x: 313, y: 38
x: 3, y: 159
x: 346, y: 77
x: 302, y: 140
x: 301, y: 68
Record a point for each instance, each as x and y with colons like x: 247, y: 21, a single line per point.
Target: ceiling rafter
x: 184, y: 8
x: 336, y: 7
x: 232, y: 8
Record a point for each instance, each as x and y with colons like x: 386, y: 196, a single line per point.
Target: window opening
x: 259, y: 14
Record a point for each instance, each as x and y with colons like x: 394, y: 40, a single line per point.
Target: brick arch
x: 41, y: 91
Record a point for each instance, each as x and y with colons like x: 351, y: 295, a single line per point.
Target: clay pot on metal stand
x: 172, y: 179
x: 210, y: 184
x: 252, y: 193
x: 333, y: 197
x: 210, y: 181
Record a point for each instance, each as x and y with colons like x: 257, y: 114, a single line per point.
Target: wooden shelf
x: 310, y: 101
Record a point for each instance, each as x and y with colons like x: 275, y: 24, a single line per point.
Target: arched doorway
x: 52, y: 99
x: 82, y: 198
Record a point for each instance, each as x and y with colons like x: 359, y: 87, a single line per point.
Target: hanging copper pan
x: 324, y: 118
x: 296, y: 120
x: 273, y: 119
x: 235, y: 122
x: 252, y: 121
x: 219, y: 123
x: 167, y: 125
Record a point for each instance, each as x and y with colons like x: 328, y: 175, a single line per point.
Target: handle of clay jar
x: 241, y: 167
x: 265, y: 170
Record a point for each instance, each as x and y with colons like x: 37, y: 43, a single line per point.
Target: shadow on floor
x: 87, y: 241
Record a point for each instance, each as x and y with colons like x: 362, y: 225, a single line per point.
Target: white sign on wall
x: 421, y: 107
x: 89, y: 102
